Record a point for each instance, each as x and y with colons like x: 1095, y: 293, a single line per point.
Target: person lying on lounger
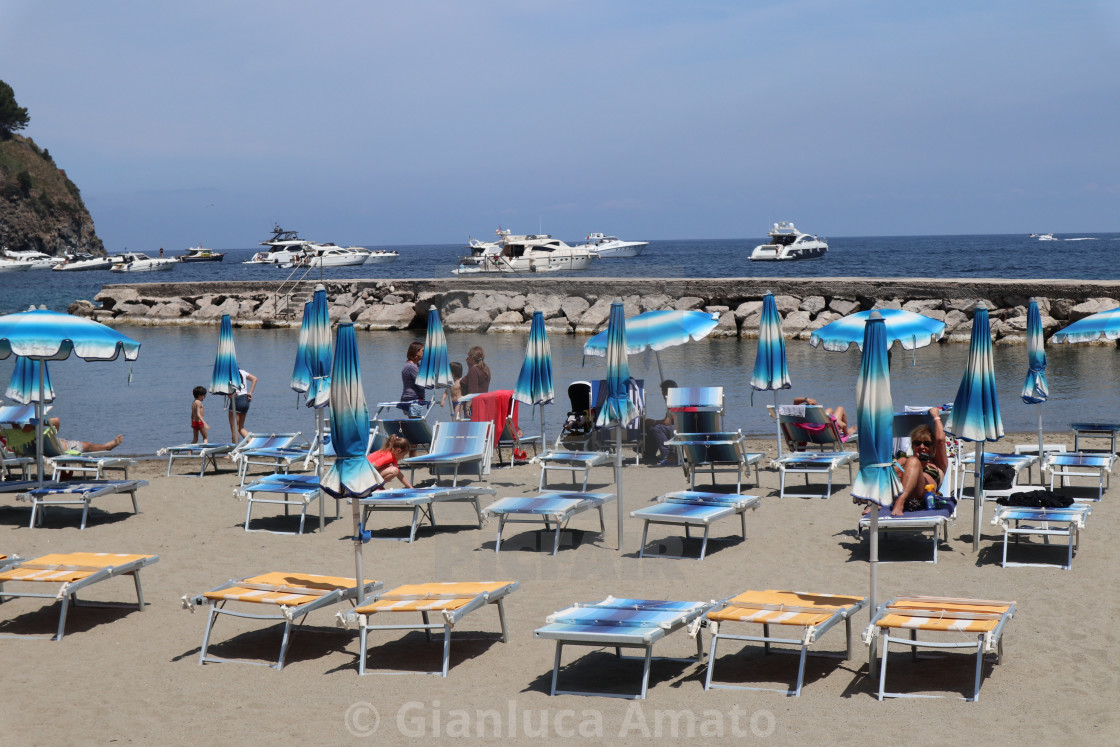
x: 22, y: 442
x: 926, y: 467
x: 838, y: 414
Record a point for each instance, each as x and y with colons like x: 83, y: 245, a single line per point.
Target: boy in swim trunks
x: 198, y: 416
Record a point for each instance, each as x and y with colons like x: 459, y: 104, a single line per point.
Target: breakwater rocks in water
x: 581, y: 306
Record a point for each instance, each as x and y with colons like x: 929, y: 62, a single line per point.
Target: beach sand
x: 122, y: 675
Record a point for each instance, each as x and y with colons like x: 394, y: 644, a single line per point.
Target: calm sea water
x: 96, y: 400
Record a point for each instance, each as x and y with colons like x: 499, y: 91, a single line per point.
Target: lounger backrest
x: 821, y: 433
x: 456, y: 437
x: 714, y: 448
x: 21, y: 445
x: 695, y: 397
x: 697, y: 421
x: 416, y: 430
x: 904, y: 423
x: 255, y: 441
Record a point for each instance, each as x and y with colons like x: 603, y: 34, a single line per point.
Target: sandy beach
x: 127, y: 676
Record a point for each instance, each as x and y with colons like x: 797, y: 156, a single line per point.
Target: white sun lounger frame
x: 421, y: 503
x: 1070, y: 521
x: 277, y: 485
x: 555, y: 518
x: 91, y: 464
x: 76, y: 494
x: 202, y: 452
x: 570, y: 461
x: 709, y: 508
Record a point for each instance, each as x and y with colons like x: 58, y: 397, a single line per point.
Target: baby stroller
x: 579, y: 423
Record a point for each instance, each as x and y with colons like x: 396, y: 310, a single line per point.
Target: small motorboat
x: 198, y: 254
x: 787, y: 243
x: 377, y: 256
x: 140, y: 262
x: 1046, y: 237
x: 612, y: 247
x: 82, y: 261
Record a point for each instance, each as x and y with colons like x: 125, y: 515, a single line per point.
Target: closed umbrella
x: 657, y: 330
x: 770, y: 369
x: 435, y: 366
x: 534, y: 383
x: 1035, y: 389
x: 226, y: 377
x: 43, y: 335
x: 351, y: 476
x: 975, y: 414
x: 317, y: 317
x: 877, y: 482
x: 301, y: 372
x: 24, y: 384
x: 617, y: 409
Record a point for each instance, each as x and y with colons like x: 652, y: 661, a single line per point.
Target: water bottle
x: 931, y: 494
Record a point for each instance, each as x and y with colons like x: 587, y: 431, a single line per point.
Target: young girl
x: 455, y: 391
x: 384, y: 460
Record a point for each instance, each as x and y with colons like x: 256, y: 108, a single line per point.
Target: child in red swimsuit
x: 384, y: 460
x: 199, y: 426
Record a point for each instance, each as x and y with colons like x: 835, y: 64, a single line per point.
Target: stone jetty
x: 581, y: 305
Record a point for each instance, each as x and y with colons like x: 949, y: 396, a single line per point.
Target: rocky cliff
x: 40, y: 208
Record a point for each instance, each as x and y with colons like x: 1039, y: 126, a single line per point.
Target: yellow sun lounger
x: 980, y: 619
x: 295, y: 594
x: 73, y: 571
x: 813, y: 613
x: 451, y: 601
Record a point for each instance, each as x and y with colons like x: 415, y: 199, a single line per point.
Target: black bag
x: 998, y: 477
x: 1036, y: 499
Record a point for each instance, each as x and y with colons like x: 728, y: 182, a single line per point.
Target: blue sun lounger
x: 72, y: 494
x: 552, y: 508
x: 202, y: 452
x: 1045, y: 523
x: 455, y: 446
x: 714, y: 452
x: 618, y: 624
x: 694, y: 509
x: 1083, y: 464
x: 803, y: 428
x: 90, y: 464
x: 421, y: 503
x: 570, y: 461
x: 277, y: 451
x: 281, y: 490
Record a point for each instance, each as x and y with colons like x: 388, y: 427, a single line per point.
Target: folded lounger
x: 980, y: 620
x: 454, y: 446
x: 813, y: 613
x: 276, y: 451
x: 450, y: 601
x: 1082, y: 464
x: 202, y: 452
x: 74, y: 571
x: 282, y: 490
x: 715, y: 452
x: 553, y: 508
x: 421, y: 502
x: 293, y: 594
x: 570, y: 461
x: 1045, y: 523
x: 619, y: 624
x: 692, y: 508
x: 75, y: 494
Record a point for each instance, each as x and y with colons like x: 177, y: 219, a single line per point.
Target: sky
x: 388, y: 123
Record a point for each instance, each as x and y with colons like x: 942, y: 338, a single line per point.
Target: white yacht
x: 82, y: 262
x: 33, y: 259
x: 329, y: 255
x: 284, y: 248
x: 1046, y: 237
x: 377, y: 256
x: 523, y: 253
x: 786, y: 242
x: 140, y: 262
x: 609, y: 247
x: 11, y: 265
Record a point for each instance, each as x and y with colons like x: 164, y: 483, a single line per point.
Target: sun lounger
x: 416, y: 430
x: 804, y: 428
x: 202, y: 452
x: 980, y: 620
x: 620, y: 623
x: 91, y: 464
x: 712, y: 453
x: 295, y: 595
x: 455, y: 446
x: 552, y: 508
x: 281, y: 490
x: 815, y: 614
x: 421, y: 503
x: 813, y: 463
x: 276, y: 451
x: 570, y: 461
x: 450, y: 601
x: 1017, y: 462
x: 1095, y: 430
x: 75, y: 494
x: 694, y: 509
x: 1044, y: 522
x: 74, y: 572
x: 936, y: 522
x: 9, y: 462
x: 1074, y: 464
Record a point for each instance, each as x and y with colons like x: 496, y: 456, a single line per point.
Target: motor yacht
x: 786, y: 242
x: 140, y: 262
x: 82, y: 261
x: 329, y: 255
x: 1046, y: 237
x: 378, y: 256
x: 514, y: 254
x: 198, y: 254
x: 611, y: 247
x: 11, y: 265
x: 284, y: 248
x: 33, y: 259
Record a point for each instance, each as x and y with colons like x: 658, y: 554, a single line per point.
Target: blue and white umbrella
x: 770, y: 369
x: 435, y: 366
x: 1035, y: 389
x: 912, y: 330
x: 534, y: 383
x: 351, y: 476
x: 43, y: 335
x: 975, y: 414
x: 657, y: 330
x: 617, y: 409
x: 226, y: 377
x: 301, y: 372
x: 319, y: 349
x: 877, y: 482
x: 1102, y: 326
x: 24, y: 384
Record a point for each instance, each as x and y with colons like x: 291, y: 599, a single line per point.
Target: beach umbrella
x: 912, y: 330
x: 1102, y: 326
x: 435, y: 366
x: 617, y: 409
x: 770, y: 369
x: 318, y: 321
x: 534, y: 383
x: 351, y: 476
x: 42, y: 336
x: 301, y: 372
x: 226, y: 377
x: 975, y: 413
x: 1035, y: 390
x: 24, y: 384
x: 657, y: 330
x: 877, y: 482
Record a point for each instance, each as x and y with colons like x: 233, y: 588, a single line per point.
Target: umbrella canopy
x: 24, y: 384
x: 301, y: 372
x: 657, y: 330
x: 534, y: 383
x: 617, y: 409
x: 770, y: 369
x: 435, y: 366
x: 912, y: 330
x: 975, y: 413
x: 226, y: 378
x: 1035, y: 389
x: 319, y: 349
x: 1102, y: 326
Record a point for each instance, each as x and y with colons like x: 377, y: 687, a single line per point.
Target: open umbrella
x: 657, y: 330
x: 975, y: 413
x: 318, y: 321
x: 770, y: 369
x: 435, y: 366
x: 1102, y: 326
x: 877, y: 482
x: 24, y: 384
x: 1035, y: 390
x: 617, y: 409
x: 301, y: 372
x: 534, y: 383
x: 351, y: 476
x: 43, y: 335
x: 912, y: 330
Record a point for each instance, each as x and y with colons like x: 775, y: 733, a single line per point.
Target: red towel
x: 494, y: 407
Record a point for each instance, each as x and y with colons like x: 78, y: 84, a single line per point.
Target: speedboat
x: 11, y: 265
x: 329, y: 255
x: 523, y: 253
x: 33, y: 259
x: 612, y: 247
x: 377, y: 256
x: 1046, y: 237
x: 786, y: 242
x: 140, y: 262
x: 83, y: 261
x: 198, y: 254
x: 284, y: 248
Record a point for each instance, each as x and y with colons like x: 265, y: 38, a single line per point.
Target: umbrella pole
x: 618, y: 479
x: 319, y: 463
x: 39, y: 424
x: 778, y: 421
x: 1041, y: 456
x: 544, y: 441
x: 359, y: 576
x: 874, y: 598
x: 978, y: 509
x: 660, y: 373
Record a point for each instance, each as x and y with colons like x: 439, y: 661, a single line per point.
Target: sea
x: 148, y: 401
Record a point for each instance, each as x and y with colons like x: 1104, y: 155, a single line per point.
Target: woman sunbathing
x: 926, y: 467
x: 838, y: 414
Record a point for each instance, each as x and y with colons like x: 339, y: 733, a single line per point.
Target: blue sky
x: 382, y: 123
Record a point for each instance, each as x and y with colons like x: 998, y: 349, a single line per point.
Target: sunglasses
x: 922, y: 443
